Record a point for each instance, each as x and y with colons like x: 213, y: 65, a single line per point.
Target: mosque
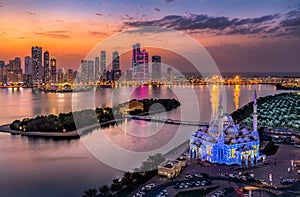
x: 225, y: 143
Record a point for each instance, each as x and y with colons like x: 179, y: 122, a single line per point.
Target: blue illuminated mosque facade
x: 225, y: 143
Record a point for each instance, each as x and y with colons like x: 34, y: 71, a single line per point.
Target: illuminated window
x: 208, y: 150
x: 232, y: 153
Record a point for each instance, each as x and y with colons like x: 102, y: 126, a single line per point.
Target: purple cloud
x: 156, y: 9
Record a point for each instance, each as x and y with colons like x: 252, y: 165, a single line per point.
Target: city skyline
x: 254, y: 39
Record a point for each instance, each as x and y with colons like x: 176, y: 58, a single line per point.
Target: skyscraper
x: 70, y: 75
x: 103, y: 62
x: 140, y: 61
x: 91, y: 74
x: 135, y: 51
x: 36, y: 56
x: 97, y: 71
x: 60, y: 75
x: 116, y: 71
x: 53, y: 70
x: 115, y: 61
x: 2, y: 64
x: 170, y: 75
x: 46, y: 68
x: 28, y: 65
x: 84, y: 72
x: 156, y: 68
x: 14, y: 71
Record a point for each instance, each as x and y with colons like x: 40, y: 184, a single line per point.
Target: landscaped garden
x: 281, y: 111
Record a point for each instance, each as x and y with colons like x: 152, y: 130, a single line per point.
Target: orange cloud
x: 55, y: 34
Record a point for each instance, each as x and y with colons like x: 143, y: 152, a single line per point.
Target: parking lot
x: 192, y: 176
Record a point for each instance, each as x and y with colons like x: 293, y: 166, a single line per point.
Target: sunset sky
x: 241, y: 35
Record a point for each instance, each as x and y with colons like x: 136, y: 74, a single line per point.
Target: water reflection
x: 214, y: 100
x: 236, y: 94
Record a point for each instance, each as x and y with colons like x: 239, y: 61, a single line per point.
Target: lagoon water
x: 40, y: 167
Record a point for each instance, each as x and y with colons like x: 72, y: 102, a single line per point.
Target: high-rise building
x: 36, y: 56
x: 70, y: 75
x: 14, y: 71
x: 140, y: 65
x: 60, y: 75
x: 116, y: 71
x: 97, y: 68
x: 2, y: 64
x: 103, y: 62
x: 84, y: 72
x: 135, y: 51
x: 46, y: 68
x: 28, y: 65
x: 115, y: 61
x: 109, y: 75
x: 91, y: 74
x: 170, y: 74
x: 156, y: 68
x: 53, y: 70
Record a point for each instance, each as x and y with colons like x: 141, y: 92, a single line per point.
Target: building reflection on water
x: 214, y: 100
x: 236, y: 95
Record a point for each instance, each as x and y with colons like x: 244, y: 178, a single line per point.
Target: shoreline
x: 55, y: 135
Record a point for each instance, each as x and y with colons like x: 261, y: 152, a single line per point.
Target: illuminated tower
x: 116, y: 71
x: 53, y: 70
x: 156, y: 68
x: 46, y: 67
x: 103, y: 66
x: 103, y: 61
x: 255, y: 112
x: 135, y: 51
x: 221, y: 119
x: 90, y: 71
x: 28, y: 67
x: 36, y: 56
x: 97, y: 71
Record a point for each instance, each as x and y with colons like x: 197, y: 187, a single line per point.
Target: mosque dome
x: 199, y: 134
x: 247, y: 139
x: 234, y: 141
x: 210, y: 139
x: 228, y: 118
x: 204, y: 128
x: 245, y: 131
x: 231, y: 131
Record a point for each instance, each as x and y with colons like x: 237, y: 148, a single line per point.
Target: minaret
x: 255, y: 112
x: 221, y: 119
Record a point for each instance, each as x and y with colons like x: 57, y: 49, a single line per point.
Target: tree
x: 92, y: 192
x: 127, y: 179
x: 137, y: 177
x: 104, y: 191
x: 116, y: 185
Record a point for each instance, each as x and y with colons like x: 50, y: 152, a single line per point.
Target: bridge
x: 167, y: 121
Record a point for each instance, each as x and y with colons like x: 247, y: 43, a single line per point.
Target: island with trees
x: 65, y: 125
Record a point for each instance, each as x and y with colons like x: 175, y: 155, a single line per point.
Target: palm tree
x: 127, y: 179
x: 104, y: 191
x: 92, y: 192
x: 137, y: 177
x: 116, y: 185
